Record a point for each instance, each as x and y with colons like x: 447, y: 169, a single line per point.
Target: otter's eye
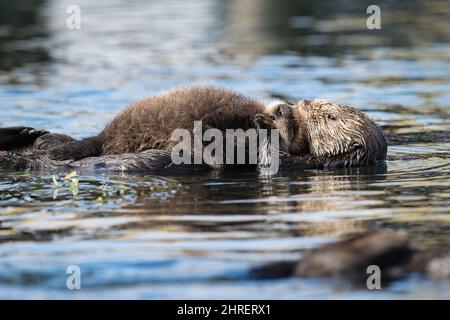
x: 331, y: 117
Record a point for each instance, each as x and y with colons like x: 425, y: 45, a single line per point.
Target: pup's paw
x: 265, y: 121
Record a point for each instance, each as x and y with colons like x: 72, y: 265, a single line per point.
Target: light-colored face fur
x: 337, y: 131
x: 291, y: 139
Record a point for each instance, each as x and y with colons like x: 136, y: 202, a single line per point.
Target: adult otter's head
x: 337, y: 134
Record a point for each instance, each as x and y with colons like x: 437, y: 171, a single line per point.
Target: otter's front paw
x: 12, y: 138
x: 265, y: 121
x: 32, y: 133
x: 27, y: 136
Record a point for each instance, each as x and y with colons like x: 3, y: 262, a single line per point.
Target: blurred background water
x: 157, y: 237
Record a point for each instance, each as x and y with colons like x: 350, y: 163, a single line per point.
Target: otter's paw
x: 32, y: 133
x: 12, y: 138
x: 265, y: 121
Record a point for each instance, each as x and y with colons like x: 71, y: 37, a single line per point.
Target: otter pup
x: 314, y: 133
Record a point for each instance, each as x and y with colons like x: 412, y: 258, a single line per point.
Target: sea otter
x: 316, y: 132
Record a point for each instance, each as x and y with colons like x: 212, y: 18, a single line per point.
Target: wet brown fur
x: 336, y: 134
x: 315, y: 132
x: 149, y: 123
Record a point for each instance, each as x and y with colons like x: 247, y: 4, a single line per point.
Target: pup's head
x: 280, y: 115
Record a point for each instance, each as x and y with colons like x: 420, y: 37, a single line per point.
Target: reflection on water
x: 142, y: 236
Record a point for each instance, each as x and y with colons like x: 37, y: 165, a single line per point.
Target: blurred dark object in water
x: 391, y: 251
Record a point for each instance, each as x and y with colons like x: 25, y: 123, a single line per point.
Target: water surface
x: 157, y: 237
